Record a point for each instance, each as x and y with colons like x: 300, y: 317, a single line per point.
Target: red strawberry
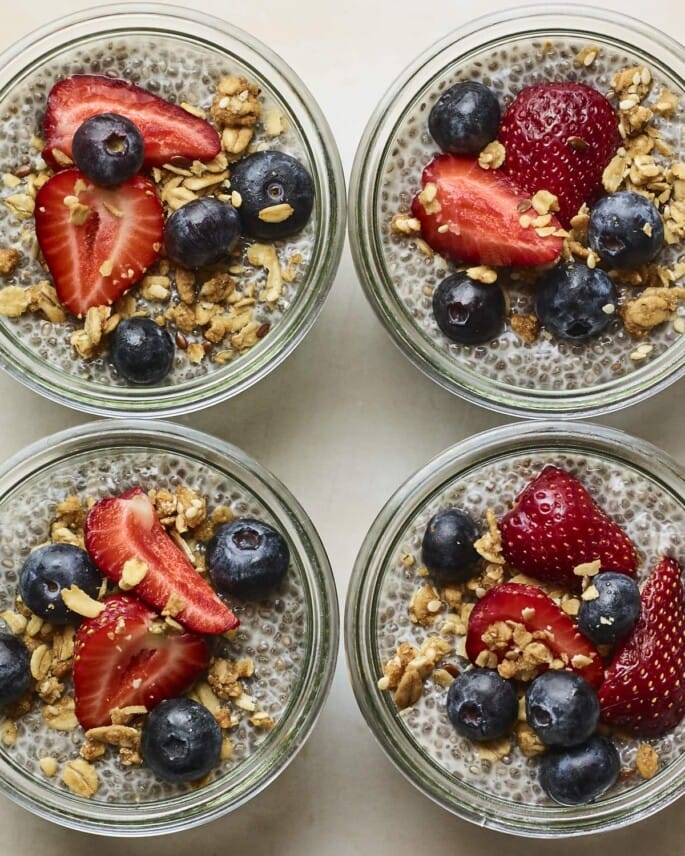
x: 168, y: 130
x: 474, y: 217
x: 644, y: 688
x: 126, y: 527
x: 96, y: 259
x: 559, y: 137
x: 556, y: 525
x: 531, y: 607
x: 128, y: 656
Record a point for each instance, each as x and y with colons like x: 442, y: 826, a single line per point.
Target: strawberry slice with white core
x: 127, y: 655
x: 126, y: 529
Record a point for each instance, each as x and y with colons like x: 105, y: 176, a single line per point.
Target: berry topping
x: 555, y: 525
x: 181, y: 740
x: 468, y: 311
x: 277, y: 195
x: 644, y: 688
x: 124, y: 531
x: 108, y: 149
x: 246, y: 558
x: 581, y: 773
x: 202, y: 232
x: 465, y: 118
x: 471, y: 215
x: 127, y: 656
x: 574, y: 301
x: 142, y: 351
x: 15, y: 673
x: 561, y: 708
x: 481, y: 705
x: 447, y: 546
x: 625, y: 229
x: 612, y: 614
x: 51, y: 569
x: 168, y: 130
x: 559, y: 137
x: 97, y: 241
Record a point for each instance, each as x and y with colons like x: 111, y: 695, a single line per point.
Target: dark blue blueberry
x: 613, y: 614
x: 50, y: 569
x: 108, y: 149
x: 181, y: 740
x: 201, y: 232
x: 142, y: 351
x: 562, y: 708
x: 270, y: 178
x: 246, y: 558
x: 625, y: 229
x: 465, y: 118
x: 447, y: 547
x: 581, y: 773
x: 481, y: 704
x: 571, y: 299
x: 15, y: 671
x: 468, y: 311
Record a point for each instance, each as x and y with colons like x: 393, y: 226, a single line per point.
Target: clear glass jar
x: 639, y: 486
x: 182, y: 56
x: 505, y: 50
x: 292, y: 636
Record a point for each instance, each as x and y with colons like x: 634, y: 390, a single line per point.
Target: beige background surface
x: 343, y: 422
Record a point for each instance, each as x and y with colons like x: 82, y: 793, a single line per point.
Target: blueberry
x: 246, y: 558
x: 468, y: 311
x: 562, y: 708
x: 50, y: 569
x: 447, y: 546
x: 625, y: 229
x: 613, y: 614
x: 572, y: 301
x: 142, y: 351
x: 580, y: 774
x: 108, y: 149
x: 267, y: 179
x: 181, y: 740
x: 481, y: 704
x: 465, y: 118
x: 15, y: 671
x: 201, y: 232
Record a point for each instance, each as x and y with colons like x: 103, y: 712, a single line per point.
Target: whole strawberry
x: 556, y: 525
x: 644, y: 687
x: 559, y: 137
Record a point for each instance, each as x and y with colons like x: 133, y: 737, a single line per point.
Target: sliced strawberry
x: 473, y: 215
x: 560, y: 137
x: 516, y: 604
x: 129, y: 656
x: 126, y: 527
x: 97, y: 252
x: 644, y: 688
x: 556, y: 525
x: 168, y: 130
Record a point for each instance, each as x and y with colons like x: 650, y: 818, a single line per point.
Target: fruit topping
x: 202, y: 232
x: 97, y: 242
x: 465, y: 118
x: 580, y: 774
x: 613, y: 611
x: 559, y: 137
x: 473, y: 215
x: 51, y: 569
x: 447, y: 546
x: 482, y: 705
x: 142, y: 351
x: 555, y: 526
x: 644, y: 688
x: 561, y: 708
x: 15, y: 673
x: 467, y: 311
x: 574, y: 301
x: 128, y: 544
x: 168, y: 130
x: 625, y: 229
x: 108, y: 149
x: 129, y: 656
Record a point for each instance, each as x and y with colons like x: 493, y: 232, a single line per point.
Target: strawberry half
x: 539, y: 614
x: 97, y: 241
x: 126, y: 527
x: 472, y: 216
x: 556, y: 525
x: 560, y: 137
x: 128, y: 656
x: 644, y: 688
x: 168, y: 130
